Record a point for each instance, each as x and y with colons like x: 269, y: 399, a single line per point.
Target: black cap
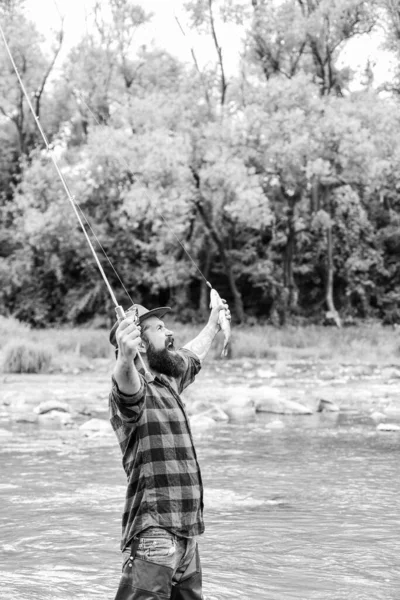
x: 144, y: 314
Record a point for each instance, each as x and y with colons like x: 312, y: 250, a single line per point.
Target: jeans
x: 165, y: 567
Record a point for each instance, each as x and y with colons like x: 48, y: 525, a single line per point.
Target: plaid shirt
x: 164, y: 479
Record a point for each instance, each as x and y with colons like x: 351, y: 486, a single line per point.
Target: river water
x: 308, y: 511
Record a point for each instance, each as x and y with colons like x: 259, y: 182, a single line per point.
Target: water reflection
x: 306, y: 511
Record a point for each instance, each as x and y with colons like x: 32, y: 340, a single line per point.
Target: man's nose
x: 168, y: 332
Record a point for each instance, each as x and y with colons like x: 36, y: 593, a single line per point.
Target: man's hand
x: 214, y: 315
x: 202, y: 343
x: 128, y: 339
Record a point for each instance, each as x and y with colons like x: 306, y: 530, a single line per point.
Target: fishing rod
x: 118, y: 308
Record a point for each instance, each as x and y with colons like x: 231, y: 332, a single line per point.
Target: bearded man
x: 163, y: 511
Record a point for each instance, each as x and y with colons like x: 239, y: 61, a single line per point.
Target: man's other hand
x: 128, y: 339
x: 214, y: 315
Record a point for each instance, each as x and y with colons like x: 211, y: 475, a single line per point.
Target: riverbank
x: 76, y: 350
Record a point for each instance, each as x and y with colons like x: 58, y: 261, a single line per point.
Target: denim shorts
x: 159, y: 546
x: 165, y: 566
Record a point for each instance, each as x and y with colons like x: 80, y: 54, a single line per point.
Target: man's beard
x: 165, y: 362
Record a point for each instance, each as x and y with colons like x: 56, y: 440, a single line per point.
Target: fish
x: 224, y: 323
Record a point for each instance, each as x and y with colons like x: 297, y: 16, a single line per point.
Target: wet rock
x: 275, y: 424
x: 377, y: 416
x: 217, y: 414
x: 239, y: 408
x: 28, y: 417
x: 327, y: 406
x: 390, y: 373
x: 279, y: 405
x: 265, y: 374
x: 199, y: 406
x: 52, y: 405
x: 388, y: 427
x: 5, y: 434
x: 55, y: 418
x: 96, y: 426
x: 201, y: 423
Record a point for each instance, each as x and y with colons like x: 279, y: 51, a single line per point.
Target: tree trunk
x: 332, y: 312
x: 289, y: 282
x: 225, y: 259
x: 237, y: 298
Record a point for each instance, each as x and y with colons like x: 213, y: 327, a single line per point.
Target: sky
x: 163, y: 31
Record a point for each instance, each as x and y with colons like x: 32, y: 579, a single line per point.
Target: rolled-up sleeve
x: 127, y: 407
x: 193, y: 366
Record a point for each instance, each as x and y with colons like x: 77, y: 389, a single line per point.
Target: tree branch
x: 218, y: 48
x: 196, y: 64
x: 40, y: 90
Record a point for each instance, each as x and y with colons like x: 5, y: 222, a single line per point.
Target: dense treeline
x: 281, y: 180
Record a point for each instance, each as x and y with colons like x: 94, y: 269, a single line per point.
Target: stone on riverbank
x: 275, y: 424
x: 53, y: 418
x: 271, y: 401
x: 377, y: 416
x: 239, y: 408
x: 325, y: 405
x: 201, y: 423
x: 26, y: 418
x: 388, y: 427
x: 217, y: 414
x: 51, y: 405
x: 96, y: 427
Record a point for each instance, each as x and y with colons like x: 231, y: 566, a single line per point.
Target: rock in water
x: 388, y: 427
x: 96, y: 426
x: 327, y: 406
x: 239, y: 409
x: 201, y: 423
x: 48, y: 405
x: 281, y: 406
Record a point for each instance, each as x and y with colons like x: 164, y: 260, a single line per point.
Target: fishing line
x: 143, y: 189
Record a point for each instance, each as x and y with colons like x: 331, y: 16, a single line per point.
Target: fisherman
x: 163, y: 510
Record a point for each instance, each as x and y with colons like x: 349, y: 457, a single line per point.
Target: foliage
x: 279, y: 179
x: 26, y: 357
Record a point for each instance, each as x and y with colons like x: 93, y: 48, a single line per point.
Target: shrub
x: 11, y: 328
x: 26, y: 357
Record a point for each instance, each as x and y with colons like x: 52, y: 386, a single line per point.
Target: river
x: 309, y: 511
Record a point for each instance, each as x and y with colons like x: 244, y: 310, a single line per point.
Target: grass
x: 77, y: 348
x: 26, y: 357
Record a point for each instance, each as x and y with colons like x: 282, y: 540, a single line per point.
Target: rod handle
x: 121, y: 315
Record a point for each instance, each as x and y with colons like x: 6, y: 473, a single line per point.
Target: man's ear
x: 143, y: 347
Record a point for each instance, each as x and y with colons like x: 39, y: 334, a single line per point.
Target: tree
x: 33, y: 66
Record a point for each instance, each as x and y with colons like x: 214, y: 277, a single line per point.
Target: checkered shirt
x: 164, y: 480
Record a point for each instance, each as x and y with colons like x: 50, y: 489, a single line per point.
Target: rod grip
x: 120, y: 313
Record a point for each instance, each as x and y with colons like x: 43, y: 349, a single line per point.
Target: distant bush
x: 26, y: 357
x: 12, y: 329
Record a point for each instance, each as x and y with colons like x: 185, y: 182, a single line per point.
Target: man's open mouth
x: 170, y: 345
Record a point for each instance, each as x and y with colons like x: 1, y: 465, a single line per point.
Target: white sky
x: 164, y: 32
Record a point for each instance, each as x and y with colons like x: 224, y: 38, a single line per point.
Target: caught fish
x: 215, y: 300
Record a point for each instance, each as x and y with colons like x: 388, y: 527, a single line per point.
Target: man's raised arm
x: 125, y: 373
x: 201, y: 344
